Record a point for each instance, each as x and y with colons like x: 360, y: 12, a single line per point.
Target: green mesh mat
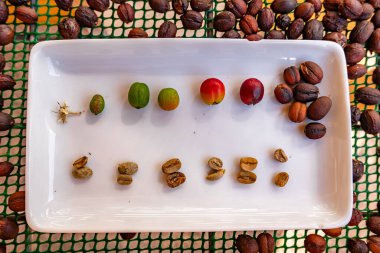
x: 12, y: 144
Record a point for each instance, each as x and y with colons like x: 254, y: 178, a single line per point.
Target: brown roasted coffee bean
x: 215, y: 163
x: 370, y: 121
x: 336, y: 37
x: 374, y: 3
x: 8, y: 228
x: 376, y: 75
x: 283, y: 6
x: 2, y: 65
x: 332, y: 5
x: 16, y: 201
x: 333, y: 232
x: 297, y: 112
x: 160, y: 6
x: 248, y: 163
x: 69, y: 28
x: 254, y: 7
x: 246, y: 244
x: 318, y: 109
x: 356, y: 71
x: 99, y: 5
x: 313, y: 30
x: 225, y: 21
x: 6, y: 121
x: 354, y: 53
x: 175, y: 179
x: 7, y: 82
x: 86, y: 17
x: 254, y: 37
x: 246, y: 177
x: 304, y: 11
x: 167, y: 30
x: 265, y: 19
x: 311, y: 72
x: 373, y: 224
x: 367, y: 95
x: 355, y: 115
x: 355, y: 245
x: 127, y: 168
x: 275, y: 35
x: 333, y: 22
x: 315, y: 243
x: 6, y: 168
x: 357, y: 170
x: 64, y: 4
x: 4, y: 12
x: 292, y: 75
x: 283, y: 21
x: 266, y: 243
x: 317, y: 5
x: 6, y: 35
x: 295, y: 29
x: 315, y: 130
x: 192, y: 20
x: 248, y: 25
x: 373, y: 243
x: 18, y: 2
x: 200, y: 5
x: 126, y: 13
x: 367, y: 13
x: 305, y: 92
x: 356, y: 217
x: 215, y: 175
x: 237, y: 7
x: 137, y: 33
x: 281, y: 179
x: 180, y: 6
x: 283, y: 93
x: 376, y: 19
x: 351, y: 9
x: 171, y: 166
x: 374, y: 41
x: 231, y: 34
x: 361, y: 32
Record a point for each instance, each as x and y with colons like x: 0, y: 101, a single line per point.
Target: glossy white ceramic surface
x: 318, y: 194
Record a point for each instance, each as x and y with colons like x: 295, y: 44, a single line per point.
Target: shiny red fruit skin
x: 212, y: 91
x: 251, y: 91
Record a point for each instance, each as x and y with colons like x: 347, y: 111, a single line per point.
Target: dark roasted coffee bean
x: 69, y: 28
x: 4, y: 12
x: 315, y: 243
x: 317, y: 5
x: 99, y: 5
x: 283, y: 6
x: 137, y: 33
x: 265, y: 19
x: 332, y: 5
x: 336, y: 37
x: 295, y: 29
x: 232, y: 34
x: 180, y: 6
x: 355, y: 245
x: 126, y: 13
x: 224, y: 21
x: 18, y: 2
x: 357, y: 170
x: 351, y: 9
x: 356, y: 217
x: 275, y: 35
x: 304, y: 11
x: 367, y: 13
x: 311, y: 72
x: 254, y: 7
x: 376, y: 76
x: 305, y: 92
x: 6, y: 34
x: 6, y: 123
x: 361, y: 32
x: 64, y: 4
x: 370, y: 121
x: 333, y: 22
x: 237, y: 7
x: 374, y: 41
x: 246, y: 244
x: 192, y: 20
x: 356, y: 71
x: 376, y: 19
x: 248, y: 25
x: 167, y: 30
x: 354, y: 53
x: 355, y: 115
x: 254, y: 37
x: 367, y: 95
x: 283, y: 21
x: 26, y: 14
x: 7, y: 82
x: 86, y: 17
x: 200, y: 5
x: 160, y: 6
x: 313, y: 30
x: 373, y: 224
x: 315, y: 130
x: 266, y: 243
x: 318, y: 109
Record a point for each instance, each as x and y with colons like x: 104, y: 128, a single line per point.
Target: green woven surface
x: 12, y: 145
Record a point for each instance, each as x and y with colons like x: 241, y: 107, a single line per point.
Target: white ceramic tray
x: 319, y: 192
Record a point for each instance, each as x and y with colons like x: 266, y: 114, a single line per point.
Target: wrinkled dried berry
x: 376, y: 75
x: 86, y: 17
x: 356, y: 217
x: 69, y: 28
x: 4, y: 12
x: 317, y: 5
x: 333, y: 22
x: 376, y: 19
x: 6, y: 35
x: 336, y: 37
x: 355, y: 115
x: 283, y: 21
x: 254, y: 37
x: 357, y: 170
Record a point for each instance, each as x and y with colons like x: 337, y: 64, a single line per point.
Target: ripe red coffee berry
x: 251, y: 91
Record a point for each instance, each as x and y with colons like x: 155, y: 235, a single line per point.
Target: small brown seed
x: 355, y: 115
x: 275, y: 35
x: 180, y: 6
x: 175, y: 179
x: 367, y: 95
x: 248, y: 163
x: 332, y: 5
x: 354, y: 53
x: 215, y: 163
x: 305, y: 92
x: 315, y: 243
x: 351, y: 9
x: 232, y: 34
x: 283, y: 93
x: 333, y: 22
x: 8, y: 228
x: 319, y: 108
x: 192, y: 20
x: 224, y: 21
x: 86, y: 17
x: 313, y: 30
x: 82, y: 173
x: 304, y: 11
x: 69, y: 28
x: 167, y: 30
x: 357, y: 170
x: 215, y: 175
x: 265, y: 19
x: 64, y: 4
x: 333, y: 232
x: 311, y: 72
x: 4, y: 12
x: 356, y: 217
x: 126, y: 13
x: 283, y: 21
x: 266, y: 243
x: 315, y: 130
x: 6, y: 168
x: 6, y: 35
x: 292, y: 75
x: 246, y: 244
x: 128, y: 168
x: 361, y: 32
x: 355, y: 245
x: 16, y: 201
x: 201, y: 5
x: 295, y: 29
x: 171, y: 166
x: 280, y: 155
x: 373, y: 224
x: 281, y: 179
x: 370, y: 121
x: 80, y: 162
x: 237, y: 7
x: 356, y: 71
x: 6, y: 82
x: 124, y: 179
x: 373, y: 243
x: 374, y: 41
x: 254, y: 7
x: 99, y: 5
x: 283, y: 6
x: 248, y: 25
x: 160, y: 6
x: 246, y: 177
x: 297, y: 112
x: 136, y: 33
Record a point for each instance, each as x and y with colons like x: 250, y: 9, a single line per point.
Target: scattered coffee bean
x: 355, y: 245
x: 354, y: 53
x: 4, y: 12
x: 180, y: 6
x: 254, y: 37
x: 304, y: 11
x: 370, y: 121
x: 305, y: 92
x: 126, y: 13
x: 80, y: 162
x: 283, y: 6
x: 160, y: 6
x: 376, y: 75
x: 6, y: 168
x: 355, y: 115
x: 246, y: 177
x: 283, y: 93
x: 357, y: 170
x: 319, y: 108
x: 297, y: 112
x: 8, y: 228
x: 237, y: 7
x: 69, y: 28
x: 317, y: 5
x: 356, y: 71
x: 86, y: 17
x: 231, y: 34
x: 336, y: 37
x: 333, y: 22
x: 367, y: 95
x: 376, y: 19
x: 6, y: 121
x: 215, y: 163
x: 311, y: 72
x: 6, y: 82
x: 127, y: 236
x: 332, y: 5
x: 246, y: 244
x: 373, y: 243
x: 171, y: 166
x: 167, y: 30
x: 127, y: 168
x: 82, y: 173
x: 361, y: 32
x: 351, y: 9
x: 175, y: 179
x: 373, y: 224
x: 200, y: 5
x: 265, y: 19
x: 374, y: 41
x: 254, y: 7
x: 123, y: 179
x: 283, y: 21
x: 248, y: 163
x: 281, y: 179
x: 280, y: 156
x: 315, y: 130
x: 266, y: 243
x: 225, y: 21
x: 192, y: 20
x: 333, y: 232
x: 295, y: 29
x: 315, y: 243
x: 356, y: 217
x: 137, y: 33
x: 313, y: 30
x: 248, y: 25
x: 6, y: 35
x: 16, y: 201
x: 63, y: 4
x: 215, y: 175
x: 292, y: 75
x: 275, y: 35
x: 367, y: 13
x: 99, y: 5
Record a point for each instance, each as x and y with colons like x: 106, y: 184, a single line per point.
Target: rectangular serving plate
x: 319, y: 191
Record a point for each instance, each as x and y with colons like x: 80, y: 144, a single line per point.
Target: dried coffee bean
x: 280, y: 156
x: 215, y: 163
x: 192, y: 20
x: 4, y: 12
x: 295, y: 29
x: 376, y: 19
x: 99, y: 5
x: 355, y: 115
x: 6, y: 121
x: 64, y: 4
x: 128, y: 168
x: 69, y: 28
x: 373, y: 243
x: 313, y: 30
x: 171, y: 166
x: 180, y: 6
x: 283, y: 21
x: 6, y: 168
x: 265, y: 19
x: 374, y: 41
x: 367, y: 13
x: 281, y: 179
x: 333, y: 232
x: 333, y: 22
x: 225, y: 21
x: 232, y: 34
x: 246, y: 177
x: 82, y: 173
x: 246, y: 244
x: 355, y: 245
x: 311, y: 72
x: 80, y: 162
x: 319, y: 108
x: 297, y: 112
x: 248, y: 25
x: 215, y: 175
x: 266, y: 243
x: 367, y: 96
x: 292, y: 75
x: 306, y: 92
x: 160, y: 6
x: 127, y: 236
x: 283, y: 93
x: 248, y: 163
x: 6, y: 35
x: 254, y: 37
x: 315, y: 243
x: 283, y: 6
x: 332, y: 5
x: 356, y: 71
x: 254, y: 7
x: 124, y: 179
x: 18, y: 2
x: 137, y: 33
x: 317, y: 5
x: 336, y: 37
x: 315, y: 130
x: 376, y: 75
x: 350, y: 9
x: 356, y: 217
x: 373, y: 224
x: 275, y: 35
x: 6, y: 82
x: 304, y: 11
x: 200, y: 5
x: 354, y: 53
x: 361, y: 32
x: 237, y: 7
x: 16, y: 201
x: 126, y: 13
x: 86, y: 17
x: 8, y: 228
x: 167, y: 30
x: 357, y: 170
x: 370, y: 121
x: 175, y: 179
x: 374, y: 3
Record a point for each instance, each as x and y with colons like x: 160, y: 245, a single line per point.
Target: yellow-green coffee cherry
x: 168, y: 99
x: 97, y: 104
x: 138, y: 95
